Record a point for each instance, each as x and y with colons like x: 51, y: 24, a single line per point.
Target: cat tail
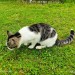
x: 68, y: 40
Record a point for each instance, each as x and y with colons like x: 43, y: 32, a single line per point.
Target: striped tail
x: 66, y: 41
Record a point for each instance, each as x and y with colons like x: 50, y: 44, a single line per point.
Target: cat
x: 40, y: 33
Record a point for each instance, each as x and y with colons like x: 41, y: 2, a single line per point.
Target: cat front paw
x: 31, y: 47
x: 25, y: 44
x: 38, y: 47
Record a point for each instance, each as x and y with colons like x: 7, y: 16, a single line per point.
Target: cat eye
x: 13, y: 40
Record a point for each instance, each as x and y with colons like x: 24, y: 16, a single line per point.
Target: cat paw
x: 38, y: 47
x: 31, y: 47
x: 25, y: 44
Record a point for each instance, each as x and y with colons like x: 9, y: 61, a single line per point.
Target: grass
x: 48, y: 61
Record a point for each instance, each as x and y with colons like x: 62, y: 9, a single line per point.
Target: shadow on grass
x: 24, y: 51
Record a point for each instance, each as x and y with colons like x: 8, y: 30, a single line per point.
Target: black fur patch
x: 35, y: 28
x: 53, y: 33
x: 72, y: 32
x: 44, y: 29
x: 17, y: 34
x: 71, y: 36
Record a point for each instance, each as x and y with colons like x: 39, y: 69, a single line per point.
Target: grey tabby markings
x: 17, y: 34
x: 66, y: 41
x: 48, y: 32
x: 45, y: 29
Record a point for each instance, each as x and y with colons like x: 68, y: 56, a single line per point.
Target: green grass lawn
x: 48, y: 61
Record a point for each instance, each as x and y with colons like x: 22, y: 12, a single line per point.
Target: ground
x: 49, y: 61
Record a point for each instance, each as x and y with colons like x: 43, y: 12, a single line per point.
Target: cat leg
x: 40, y: 47
x: 32, y: 45
x: 25, y: 44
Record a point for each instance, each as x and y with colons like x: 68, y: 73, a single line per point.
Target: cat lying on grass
x: 40, y: 33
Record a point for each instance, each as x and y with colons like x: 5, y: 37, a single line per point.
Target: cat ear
x: 17, y: 34
x: 9, y: 33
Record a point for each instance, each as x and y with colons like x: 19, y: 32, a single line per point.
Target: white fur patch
x: 49, y: 42
x: 28, y: 37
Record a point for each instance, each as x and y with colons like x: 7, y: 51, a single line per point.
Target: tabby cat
x: 40, y: 33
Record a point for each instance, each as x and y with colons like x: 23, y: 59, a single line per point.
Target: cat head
x: 13, y: 40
